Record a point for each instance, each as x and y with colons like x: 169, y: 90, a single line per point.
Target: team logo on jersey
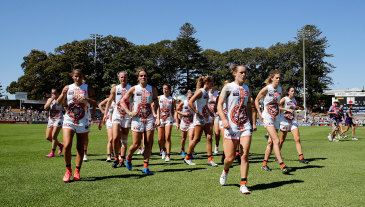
x: 205, y: 96
x: 144, y: 110
x: 288, y: 115
x: 139, y: 94
x: 211, y: 107
x: 76, y: 111
x: 70, y: 92
x: 291, y: 104
x: 275, y: 95
x: 206, y: 112
x: 121, y: 110
x: 188, y: 119
x: 239, y: 115
x: 165, y: 113
x: 273, y: 109
x: 54, y: 114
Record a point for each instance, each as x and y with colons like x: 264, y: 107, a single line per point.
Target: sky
x: 221, y: 25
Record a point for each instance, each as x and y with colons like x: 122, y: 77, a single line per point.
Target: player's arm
x: 254, y: 115
x: 156, y: 112
x: 101, y: 104
x: 109, y: 102
x: 48, y: 103
x: 174, y: 112
x: 123, y: 101
x: 261, y: 94
x: 156, y: 107
x: 198, y: 94
x: 179, y: 109
x: 222, y: 98
x: 281, y: 104
x: 62, y: 98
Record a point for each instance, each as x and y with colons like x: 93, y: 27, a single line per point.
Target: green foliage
x: 317, y: 69
x: 179, y: 63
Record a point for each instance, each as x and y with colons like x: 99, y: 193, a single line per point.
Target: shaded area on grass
x: 274, y: 184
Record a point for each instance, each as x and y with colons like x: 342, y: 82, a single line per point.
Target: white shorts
x: 108, y: 124
x: 236, y: 135
x: 166, y: 123
x: 79, y: 126
x: 139, y: 126
x: 123, y: 120
x: 79, y: 129
x: 198, y: 121
x: 184, y: 126
x: 54, y: 123
x: 220, y: 124
x: 286, y: 126
x: 270, y: 121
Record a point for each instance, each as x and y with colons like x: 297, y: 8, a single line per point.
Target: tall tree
x: 215, y: 65
x: 189, y: 55
x: 317, y: 68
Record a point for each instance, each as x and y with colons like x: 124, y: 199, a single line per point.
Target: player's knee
x: 229, y: 159
x: 244, y: 157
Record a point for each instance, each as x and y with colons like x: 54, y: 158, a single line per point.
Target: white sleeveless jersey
x: 119, y: 93
x: 142, y: 100
x: 77, y: 111
x: 55, y: 111
x: 212, y: 101
x: 201, y: 104
x: 187, y: 119
x: 289, y: 104
x: 236, y: 103
x: 165, y: 108
x: 271, y: 101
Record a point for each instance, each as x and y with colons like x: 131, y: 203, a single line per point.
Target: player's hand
x: 200, y: 115
x: 177, y: 126
x: 65, y: 89
x: 157, y: 122
x: 254, y: 127
x: 225, y: 124
x: 100, y: 126
x: 105, y: 117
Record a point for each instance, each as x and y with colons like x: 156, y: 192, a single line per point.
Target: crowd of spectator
x: 23, y: 114
x: 30, y: 114
x: 40, y: 115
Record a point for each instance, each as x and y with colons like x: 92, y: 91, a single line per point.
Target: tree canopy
x: 178, y: 62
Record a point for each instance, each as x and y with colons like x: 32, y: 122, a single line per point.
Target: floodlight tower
x: 304, y: 33
x: 95, y: 37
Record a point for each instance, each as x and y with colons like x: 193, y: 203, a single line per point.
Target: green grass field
x: 334, y: 177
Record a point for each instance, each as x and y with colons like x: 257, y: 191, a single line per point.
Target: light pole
x: 304, y: 33
x: 95, y: 37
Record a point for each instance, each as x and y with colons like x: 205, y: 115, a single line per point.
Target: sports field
x: 334, y: 177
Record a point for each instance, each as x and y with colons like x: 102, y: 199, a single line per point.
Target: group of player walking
x: 233, y: 113
x: 336, y: 116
